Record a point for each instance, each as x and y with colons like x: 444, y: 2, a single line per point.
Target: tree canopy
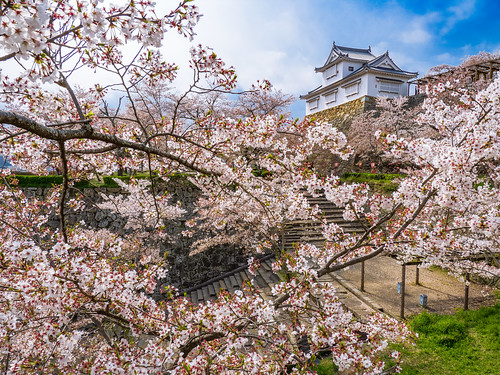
x: 72, y: 301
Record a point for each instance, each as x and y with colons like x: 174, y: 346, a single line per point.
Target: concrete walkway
x: 444, y: 293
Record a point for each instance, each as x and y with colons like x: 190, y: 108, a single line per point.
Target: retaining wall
x: 184, y: 270
x: 342, y: 115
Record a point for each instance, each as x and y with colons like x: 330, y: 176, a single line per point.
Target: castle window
x: 331, y: 72
x: 352, y: 89
x: 331, y: 97
x: 392, y: 87
x: 351, y: 68
x: 313, y: 104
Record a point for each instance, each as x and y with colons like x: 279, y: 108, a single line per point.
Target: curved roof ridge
x: 348, y: 52
x: 368, y: 50
x: 377, y: 59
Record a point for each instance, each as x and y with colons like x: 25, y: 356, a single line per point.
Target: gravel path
x: 444, y: 293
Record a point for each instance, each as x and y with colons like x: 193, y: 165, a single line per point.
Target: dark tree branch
x: 44, y: 131
x: 64, y: 191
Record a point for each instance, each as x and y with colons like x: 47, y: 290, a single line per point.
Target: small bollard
x: 399, y: 288
x: 423, y: 300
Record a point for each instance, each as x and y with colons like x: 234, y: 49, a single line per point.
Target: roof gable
x: 384, y: 61
x: 349, y: 53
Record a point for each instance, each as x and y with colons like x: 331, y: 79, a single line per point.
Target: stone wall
x: 342, y: 115
x: 189, y: 270
x: 184, y: 270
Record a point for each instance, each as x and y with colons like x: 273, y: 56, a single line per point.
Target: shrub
x: 25, y: 181
x: 378, y: 182
x: 450, y: 331
x: 444, y: 330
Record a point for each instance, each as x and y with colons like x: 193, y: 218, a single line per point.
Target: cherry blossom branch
x: 94, y: 151
x: 364, y: 237
x: 415, y: 214
x: 43, y: 131
x: 328, y: 268
x: 59, y: 124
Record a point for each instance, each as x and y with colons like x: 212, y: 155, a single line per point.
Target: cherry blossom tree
x: 401, y: 115
x: 461, y: 166
x: 72, y: 301
x: 466, y: 72
x: 191, y: 107
x: 453, y: 115
x: 263, y: 100
x: 396, y: 116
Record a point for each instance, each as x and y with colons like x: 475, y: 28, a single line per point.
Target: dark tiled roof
x: 349, y: 52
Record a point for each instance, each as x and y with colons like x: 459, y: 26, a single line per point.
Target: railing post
x: 403, y: 277
x: 363, y: 276
x: 466, y: 299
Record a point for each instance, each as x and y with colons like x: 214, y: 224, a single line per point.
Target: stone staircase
x: 310, y: 230
x: 265, y: 278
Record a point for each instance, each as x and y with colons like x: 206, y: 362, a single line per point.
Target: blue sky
x: 284, y: 40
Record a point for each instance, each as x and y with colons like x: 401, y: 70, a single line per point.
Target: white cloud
x: 284, y: 40
x: 444, y: 57
x: 463, y: 10
x: 457, y: 13
x: 418, y: 29
x: 261, y: 40
x: 380, y: 48
x: 417, y: 35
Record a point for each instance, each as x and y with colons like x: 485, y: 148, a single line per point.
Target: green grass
x: 325, y: 367
x: 110, y: 182
x: 464, y: 343
x: 467, y: 342
x: 379, y: 182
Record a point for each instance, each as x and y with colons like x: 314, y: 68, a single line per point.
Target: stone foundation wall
x: 184, y: 270
x: 342, y: 115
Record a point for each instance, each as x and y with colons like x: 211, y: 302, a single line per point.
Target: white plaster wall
x: 404, y: 89
x: 321, y: 106
x: 343, y: 98
x: 347, y: 64
x: 369, y: 85
x: 374, y: 86
x: 338, y: 77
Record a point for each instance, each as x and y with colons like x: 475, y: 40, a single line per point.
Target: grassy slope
x: 467, y: 342
x: 379, y: 182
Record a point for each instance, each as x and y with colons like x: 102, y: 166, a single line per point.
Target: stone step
x: 293, y: 231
